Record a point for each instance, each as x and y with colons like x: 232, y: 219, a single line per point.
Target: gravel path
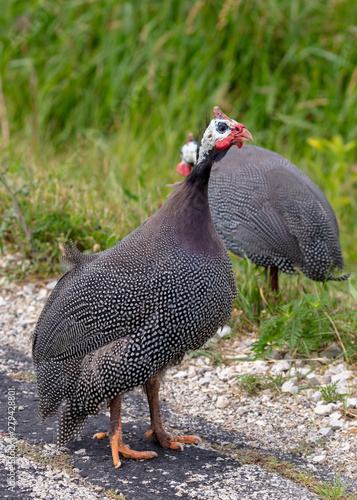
x: 295, y: 426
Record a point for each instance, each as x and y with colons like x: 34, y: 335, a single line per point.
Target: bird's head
x: 221, y: 133
x: 188, y: 156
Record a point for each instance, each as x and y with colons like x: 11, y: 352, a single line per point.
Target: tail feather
x: 73, y: 257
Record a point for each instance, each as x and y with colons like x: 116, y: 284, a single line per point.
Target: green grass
x: 251, y: 384
x: 303, y: 319
x: 334, y: 490
x: 330, y: 394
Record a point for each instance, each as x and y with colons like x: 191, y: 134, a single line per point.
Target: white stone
x: 333, y: 370
x: 247, y: 342
x: 42, y: 294
x: 225, y: 330
x: 289, y: 387
x: 323, y: 410
x: 191, y: 372
x: 226, y: 373
x: 311, y: 467
x: 336, y: 425
x: 180, y: 375
x: 319, y: 459
x: 342, y: 388
x: 345, y: 375
x: 316, y: 396
x: 241, y: 410
x: 222, y: 402
x: 51, y: 285
x: 325, y: 431
x: 281, y: 366
x: 28, y: 289
x: 312, y: 380
x: 327, y: 379
x: 204, y: 381
x: 260, y: 366
x: 335, y: 416
x: 351, y: 403
x: 300, y: 372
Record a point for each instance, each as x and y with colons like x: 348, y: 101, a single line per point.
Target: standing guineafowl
x: 265, y: 208
x: 117, y: 319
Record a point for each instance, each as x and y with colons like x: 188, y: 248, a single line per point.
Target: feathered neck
x: 199, y: 176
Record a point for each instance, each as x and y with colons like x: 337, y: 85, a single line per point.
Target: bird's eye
x: 221, y: 127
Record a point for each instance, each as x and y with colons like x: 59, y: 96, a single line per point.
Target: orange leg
x: 157, y: 429
x: 115, y: 436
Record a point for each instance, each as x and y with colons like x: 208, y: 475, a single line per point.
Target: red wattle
x: 224, y: 143
x: 183, y: 169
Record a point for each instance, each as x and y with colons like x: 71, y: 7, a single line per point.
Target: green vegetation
x: 299, y: 323
x: 114, y: 496
x: 53, y: 458
x: 333, y: 490
x: 24, y: 376
x: 330, y: 394
x: 251, y: 384
x: 308, y: 447
x: 96, y: 98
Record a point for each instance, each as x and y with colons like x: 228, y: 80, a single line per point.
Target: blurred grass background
x: 96, y: 99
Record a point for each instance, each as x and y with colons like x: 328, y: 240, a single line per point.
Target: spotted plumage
x: 265, y: 208
x: 118, y: 318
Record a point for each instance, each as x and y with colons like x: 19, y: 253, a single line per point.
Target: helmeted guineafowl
x: 267, y: 209
x: 119, y: 318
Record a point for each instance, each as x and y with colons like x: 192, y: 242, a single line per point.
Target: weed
x: 25, y: 376
x: 308, y: 447
x: 250, y: 383
x: 55, y: 459
x: 330, y: 394
x: 114, y: 496
x: 274, y: 382
x: 210, y: 351
x: 304, y: 325
x: 334, y: 490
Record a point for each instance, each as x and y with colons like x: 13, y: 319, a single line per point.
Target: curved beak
x: 241, y: 134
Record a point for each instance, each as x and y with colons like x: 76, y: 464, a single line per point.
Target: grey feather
x: 267, y: 209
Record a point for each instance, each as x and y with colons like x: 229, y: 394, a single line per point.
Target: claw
x: 101, y: 435
x: 147, y: 434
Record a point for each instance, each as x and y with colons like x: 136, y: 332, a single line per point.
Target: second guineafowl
x: 267, y: 209
x: 119, y: 318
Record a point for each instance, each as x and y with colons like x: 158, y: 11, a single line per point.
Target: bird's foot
x: 169, y: 441
x: 118, y: 446
x: 101, y: 435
